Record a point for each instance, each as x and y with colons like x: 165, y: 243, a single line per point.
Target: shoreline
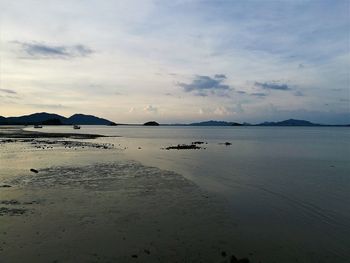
x: 19, y: 132
x: 79, y: 208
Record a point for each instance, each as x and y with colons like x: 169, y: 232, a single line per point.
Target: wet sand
x: 87, y: 203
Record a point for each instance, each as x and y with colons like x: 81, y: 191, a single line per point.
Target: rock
x: 34, y: 170
x: 134, y: 256
x: 198, y: 142
x: 5, y: 185
x: 183, y: 147
x: 147, y: 251
x: 223, y: 253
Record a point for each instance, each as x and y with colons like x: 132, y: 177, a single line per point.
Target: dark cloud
x: 258, y: 94
x: 241, y: 92
x: 206, y: 85
x: 9, y: 91
x: 41, y: 50
x: 272, y: 85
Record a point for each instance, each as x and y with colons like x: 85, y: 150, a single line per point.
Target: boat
x: 76, y: 127
x: 38, y: 126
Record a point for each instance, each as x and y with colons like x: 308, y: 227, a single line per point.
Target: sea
x: 286, y: 188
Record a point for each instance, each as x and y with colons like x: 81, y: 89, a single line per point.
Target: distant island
x: 151, y: 123
x: 44, y: 118
x: 289, y: 122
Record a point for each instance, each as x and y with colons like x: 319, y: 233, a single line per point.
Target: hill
x: 54, y: 119
x: 82, y: 119
x: 290, y: 122
x: 36, y: 118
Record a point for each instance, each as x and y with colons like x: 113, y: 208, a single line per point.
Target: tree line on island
x: 44, y: 118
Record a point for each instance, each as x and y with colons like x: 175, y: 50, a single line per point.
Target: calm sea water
x: 287, y: 188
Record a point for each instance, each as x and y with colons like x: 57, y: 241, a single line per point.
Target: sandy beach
x: 85, y: 202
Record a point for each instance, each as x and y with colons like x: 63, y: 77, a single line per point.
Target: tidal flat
x: 218, y: 194
x: 88, y: 203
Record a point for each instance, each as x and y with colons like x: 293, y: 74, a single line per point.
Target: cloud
x: 38, y: 50
x: 151, y: 109
x: 9, y: 91
x: 205, y: 85
x: 272, y: 85
x: 48, y: 106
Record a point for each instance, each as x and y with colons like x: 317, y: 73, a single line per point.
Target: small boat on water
x: 76, y: 127
x: 38, y: 126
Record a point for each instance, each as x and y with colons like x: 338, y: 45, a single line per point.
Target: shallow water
x: 287, y: 188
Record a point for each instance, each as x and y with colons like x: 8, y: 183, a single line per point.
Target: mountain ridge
x: 52, y: 118
x: 45, y: 118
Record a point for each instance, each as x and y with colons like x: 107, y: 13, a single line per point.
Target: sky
x: 177, y: 61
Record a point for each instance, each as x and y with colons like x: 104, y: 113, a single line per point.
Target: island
x: 151, y: 123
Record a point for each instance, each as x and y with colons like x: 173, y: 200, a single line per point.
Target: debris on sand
x: 11, y: 211
x: 183, y: 147
x: 34, y: 170
x: 10, y: 202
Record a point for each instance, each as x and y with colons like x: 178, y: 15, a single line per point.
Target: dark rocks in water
x: 34, y: 170
x: 9, y: 202
x: 199, y: 142
x: 134, y: 256
x: 183, y: 147
x: 11, y: 211
x: 151, y: 123
x: 147, y: 251
x: 5, y: 186
x: 223, y: 254
x: 20, y: 134
x: 226, y: 143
